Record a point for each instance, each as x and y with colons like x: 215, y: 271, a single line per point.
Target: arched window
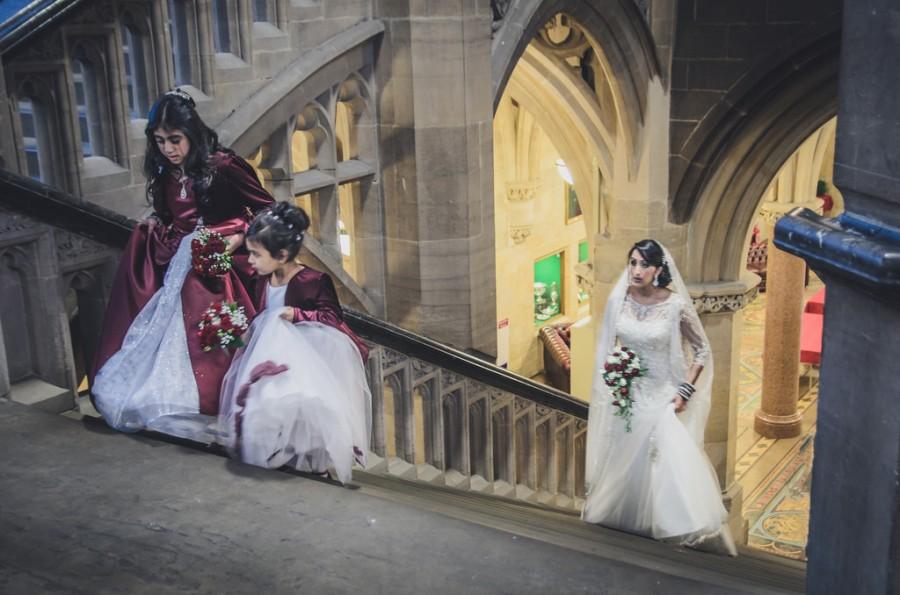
x: 226, y: 38
x: 92, y: 103
x: 138, y: 66
x: 180, y: 17
x: 29, y: 121
x: 264, y: 11
x: 39, y: 136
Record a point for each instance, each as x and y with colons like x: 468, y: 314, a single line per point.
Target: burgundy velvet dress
x: 236, y: 196
x: 312, y: 295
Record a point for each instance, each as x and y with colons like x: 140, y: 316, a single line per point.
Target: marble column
x: 777, y: 417
x: 854, y: 537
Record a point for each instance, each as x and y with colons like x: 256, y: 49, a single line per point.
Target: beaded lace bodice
x: 647, y: 329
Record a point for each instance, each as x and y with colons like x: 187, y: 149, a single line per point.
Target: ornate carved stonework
x: 562, y: 419
x: 43, y: 48
x: 391, y: 359
x: 543, y: 411
x: 580, y: 425
x: 562, y: 37
x: 71, y: 247
x: 10, y: 222
x: 519, y: 233
x: 421, y: 369
x: 449, y: 379
x: 706, y: 304
x: 522, y: 404
x: 98, y: 12
x: 522, y: 191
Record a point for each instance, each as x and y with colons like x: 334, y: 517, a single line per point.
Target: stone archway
x: 617, y: 28
x: 768, y: 116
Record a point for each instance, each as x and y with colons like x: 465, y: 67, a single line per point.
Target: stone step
x: 43, y: 395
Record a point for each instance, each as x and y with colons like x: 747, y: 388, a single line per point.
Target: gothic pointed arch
x: 739, y: 149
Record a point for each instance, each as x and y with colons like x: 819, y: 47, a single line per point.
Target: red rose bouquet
x: 621, y: 368
x: 209, y: 256
x: 222, y: 326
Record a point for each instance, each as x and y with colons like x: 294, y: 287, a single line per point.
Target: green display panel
x: 583, y: 253
x: 547, y: 287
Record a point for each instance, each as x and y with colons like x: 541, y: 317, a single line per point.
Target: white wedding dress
x: 655, y: 480
x: 296, y: 395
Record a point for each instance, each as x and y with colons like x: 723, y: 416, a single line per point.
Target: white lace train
x: 151, y: 377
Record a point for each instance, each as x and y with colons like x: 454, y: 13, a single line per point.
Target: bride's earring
x: 656, y: 280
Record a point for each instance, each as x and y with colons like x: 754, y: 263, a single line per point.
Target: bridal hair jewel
x: 181, y: 94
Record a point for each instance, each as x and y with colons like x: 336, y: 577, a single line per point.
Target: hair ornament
x: 181, y: 94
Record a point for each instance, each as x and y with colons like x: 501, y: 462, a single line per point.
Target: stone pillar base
x: 733, y: 499
x: 777, y: 426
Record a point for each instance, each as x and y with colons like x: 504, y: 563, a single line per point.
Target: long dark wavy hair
x: 176, y: 110
x: 653, y: 253
x: 280, y: 228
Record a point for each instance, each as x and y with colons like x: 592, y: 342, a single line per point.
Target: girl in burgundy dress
x: 151, y: 370
x: 297, y: 393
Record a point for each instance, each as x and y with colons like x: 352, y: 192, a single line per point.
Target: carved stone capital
x: 724, y: 297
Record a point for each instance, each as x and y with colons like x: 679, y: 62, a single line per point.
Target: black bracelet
x: 686, y: 391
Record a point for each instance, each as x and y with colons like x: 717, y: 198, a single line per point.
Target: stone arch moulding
x: 313, y: 76
x: 738, y: 151
x: 301, y: 83
x: 616, y: 29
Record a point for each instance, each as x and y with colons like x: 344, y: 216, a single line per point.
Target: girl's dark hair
x: 280, y: 228
x: 175, y: 110
x: 653, y: 253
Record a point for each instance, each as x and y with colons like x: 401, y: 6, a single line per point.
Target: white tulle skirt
x: 297, y: 395
x: 658, y: 482
x: 150, y: 379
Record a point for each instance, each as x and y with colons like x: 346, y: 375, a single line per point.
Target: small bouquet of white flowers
x: 621, y: 368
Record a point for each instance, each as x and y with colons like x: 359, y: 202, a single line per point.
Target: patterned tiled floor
x: 775, y: 474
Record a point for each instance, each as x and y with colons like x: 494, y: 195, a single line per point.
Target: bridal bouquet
x: 621, y: 368
x: 209, y: 256
x: 222, y: 326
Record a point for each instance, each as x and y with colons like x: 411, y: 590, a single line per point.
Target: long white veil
x: 600, y: 417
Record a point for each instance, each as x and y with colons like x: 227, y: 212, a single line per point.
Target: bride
x: 653, y: 478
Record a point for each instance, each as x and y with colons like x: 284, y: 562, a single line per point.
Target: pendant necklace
x: 183, y: 194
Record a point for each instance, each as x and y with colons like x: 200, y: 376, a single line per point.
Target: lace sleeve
x: 692, y: 331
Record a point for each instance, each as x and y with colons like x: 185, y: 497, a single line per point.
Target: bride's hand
x: 680, y: 404
x: 287, y: 313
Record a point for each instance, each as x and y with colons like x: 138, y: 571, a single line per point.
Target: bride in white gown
x: 655, y: 478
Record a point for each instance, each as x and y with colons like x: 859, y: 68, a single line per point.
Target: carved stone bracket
x: 522, y: 191
x: 519, y: 233
x: 724, y: 297
x: 11, y: 222
x: 449, y: 379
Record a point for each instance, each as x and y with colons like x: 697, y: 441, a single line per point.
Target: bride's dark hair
x: 176, y: 110
x: 280, y: 228
x: 653, y: 253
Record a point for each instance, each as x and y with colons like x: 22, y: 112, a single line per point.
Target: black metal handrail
x: 65, y: 211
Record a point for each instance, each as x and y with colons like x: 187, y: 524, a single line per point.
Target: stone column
x: 720, y: 308
x: 777, y: 417
x: 854, y: 537
x: 436, y: 119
